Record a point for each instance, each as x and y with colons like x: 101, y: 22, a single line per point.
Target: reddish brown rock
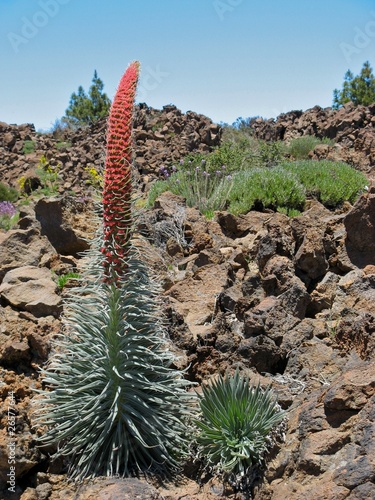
x: 353, y: 390
x: 195, y: 297
x: 24, y: 248
x: 31, y: 289
x: 360, y: 230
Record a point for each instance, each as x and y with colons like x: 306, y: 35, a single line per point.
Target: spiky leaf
x: 113, y: 403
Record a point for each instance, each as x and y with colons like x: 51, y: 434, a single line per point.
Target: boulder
x: 324, y: 294
x: 356, y: 331
x: 329, y: 442
x: 195, y: 298
x: 355, y: 291
x: 26, y: 247
x: 57, y: 216
x: 276, y: 238
x: 360, y: 230
x: 117, y: 489
x: 277, y: 275
x: 353, y: 390
x: 31, y: 289
x: 310, y: 257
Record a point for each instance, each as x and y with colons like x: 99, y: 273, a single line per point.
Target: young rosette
x: 235, y: 423
x: 113, y: 403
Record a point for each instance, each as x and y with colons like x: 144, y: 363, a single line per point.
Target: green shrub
x: 266, y: 188
x: 156, y: 189
x: 254, y: 152
x: 289, y: 212
x: 329, y: 182
x: 49, y: 177
x: 205, y: 181
x: 242, y: 137
x: 300, y: 147
x: 240, y: 188
x: 63, y: 145
x: 205, y: 190
x: 234, y: 156
x: 235, y: 424
x: 28, y: 147
x: 8, y: 193
x: 270, y: 153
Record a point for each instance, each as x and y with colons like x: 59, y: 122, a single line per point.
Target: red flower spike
x: 117, y: 178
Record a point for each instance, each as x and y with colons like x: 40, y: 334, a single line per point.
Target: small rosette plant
x: 113, y: 403
x: 235, y: 424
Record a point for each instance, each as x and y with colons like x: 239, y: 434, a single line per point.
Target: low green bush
x: 242, y: 137
x: 234, y: 156
x: 63, y: 145
x: 204, y: 189
x: 49, y: 177
x: 266, y: 188
x: 210, y: 186
x: 270, y: 153
x: 8, y: 193
x: 300, y: 147
x: 330, y: 182
x: 28, y: 147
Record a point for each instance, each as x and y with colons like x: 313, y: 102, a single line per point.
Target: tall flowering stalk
x: 117, y: 178
x: 113, y: 404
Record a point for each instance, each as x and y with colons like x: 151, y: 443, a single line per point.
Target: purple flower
x: 181, y: 162
x: 223, y: 167
x: 7, y: 209
x: 196, y: 169
x: 174, y: 168
x: 206, y: 174
x: 229, y: 177
x: 218, y: 172
x: 203, y: 162
x: 164, y: 171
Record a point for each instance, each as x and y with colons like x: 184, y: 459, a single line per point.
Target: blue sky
x: 221, y: 58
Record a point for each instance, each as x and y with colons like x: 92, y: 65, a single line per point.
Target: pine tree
x: 85, y: 109
x: 360, y: 89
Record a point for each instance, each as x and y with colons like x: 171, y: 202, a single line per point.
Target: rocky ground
x: 289, y: 300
